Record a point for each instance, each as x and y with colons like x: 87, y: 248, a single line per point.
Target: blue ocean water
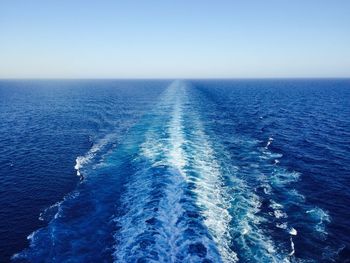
x: 175, y: 171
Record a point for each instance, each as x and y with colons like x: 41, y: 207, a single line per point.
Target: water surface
x: 175, y: 171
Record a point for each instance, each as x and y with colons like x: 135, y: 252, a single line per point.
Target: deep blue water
x: 175, y: 171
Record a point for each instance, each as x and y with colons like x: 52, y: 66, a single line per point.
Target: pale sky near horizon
x: 174, y: 39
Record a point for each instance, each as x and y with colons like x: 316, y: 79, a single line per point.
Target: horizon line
x: 172, y: 78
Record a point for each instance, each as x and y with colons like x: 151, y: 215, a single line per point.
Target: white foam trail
x: 212, y: 197
x: 204, y: 174
x: 162, y: 149
x: 174, y: 157
x: 80, y: 161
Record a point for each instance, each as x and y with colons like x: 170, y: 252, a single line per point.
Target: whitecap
x: 280, y: 214
x: 80, y: 161
x: 292, y: 247
x: 268, y: 142
x: 321, y: 217
x: 282, y: 225
x: 275, y: 205
x: 293, y: 231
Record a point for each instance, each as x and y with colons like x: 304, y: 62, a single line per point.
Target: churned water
x: 175, y: 171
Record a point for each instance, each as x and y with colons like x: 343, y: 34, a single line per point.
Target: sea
x: 241, y: 170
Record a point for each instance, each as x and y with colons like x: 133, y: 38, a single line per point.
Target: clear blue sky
x: 175, y: 39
